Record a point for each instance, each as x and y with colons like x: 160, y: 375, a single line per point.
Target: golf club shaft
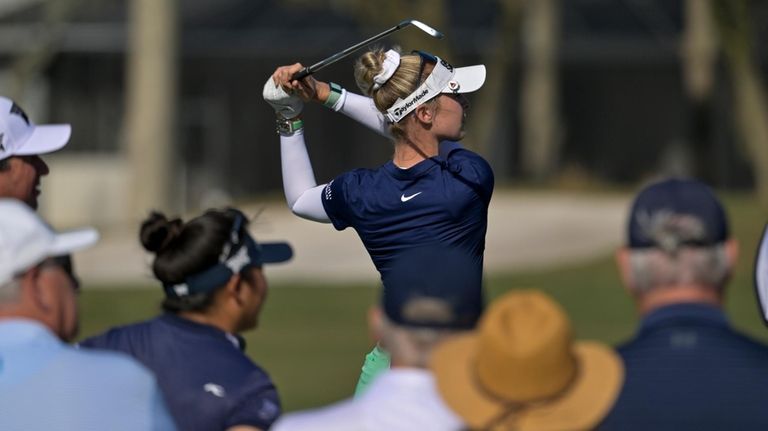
x: 339, y: 55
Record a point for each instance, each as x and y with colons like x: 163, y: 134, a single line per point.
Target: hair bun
x: 368, y: 66
x: 157, y: 231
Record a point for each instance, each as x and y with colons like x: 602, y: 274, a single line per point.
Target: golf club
x: 339, y: 55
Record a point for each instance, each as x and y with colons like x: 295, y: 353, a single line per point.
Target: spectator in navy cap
x: 211, y: 272
x: 686, y: 368
x: 431, y: 293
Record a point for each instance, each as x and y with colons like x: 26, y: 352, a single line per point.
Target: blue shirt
x: 48, y: 385
x: 208, y: 382
x: 443, y: 199
x: 687, y: 369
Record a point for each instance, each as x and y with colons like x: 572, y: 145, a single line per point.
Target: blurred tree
x: 151, y: 103
x: 699, y: 55
x: 734, y: 24
x: 488, y: 113
x: 540, y: 135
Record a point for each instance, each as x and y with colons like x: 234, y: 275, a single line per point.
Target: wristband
x: 333, y: 96
x: 287, y: 126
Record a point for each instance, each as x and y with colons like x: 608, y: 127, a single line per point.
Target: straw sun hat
x: 521, y: 370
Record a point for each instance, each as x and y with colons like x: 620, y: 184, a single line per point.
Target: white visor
x: 761, y: 274
x: 443, y: 79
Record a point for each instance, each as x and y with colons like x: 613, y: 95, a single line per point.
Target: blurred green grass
x: 312, y: 337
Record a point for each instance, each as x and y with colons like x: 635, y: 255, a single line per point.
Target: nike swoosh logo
x: 404, y: 198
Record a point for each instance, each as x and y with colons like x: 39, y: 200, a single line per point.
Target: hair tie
x: 388, y: 68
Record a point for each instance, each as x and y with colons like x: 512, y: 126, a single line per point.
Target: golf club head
x: 425, y: 28
x: 761, y: 275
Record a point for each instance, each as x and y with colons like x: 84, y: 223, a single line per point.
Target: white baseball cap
x: 21, y: 137
x: 26, y: 240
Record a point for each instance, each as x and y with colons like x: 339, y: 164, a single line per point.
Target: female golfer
x: 433, y: 190
x: 210, y: 269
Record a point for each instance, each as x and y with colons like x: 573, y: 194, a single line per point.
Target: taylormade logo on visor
x: 416, y: 97
x: 432, y: 86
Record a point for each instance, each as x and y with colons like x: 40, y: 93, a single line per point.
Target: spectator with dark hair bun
x: 211, y: 272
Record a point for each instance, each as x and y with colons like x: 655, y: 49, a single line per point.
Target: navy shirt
x: 687, y: 369
x: 443, y: 199
x: 208, y: 382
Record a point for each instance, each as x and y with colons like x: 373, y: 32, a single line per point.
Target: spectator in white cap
x: 21, y: 144
x: 44, y: 383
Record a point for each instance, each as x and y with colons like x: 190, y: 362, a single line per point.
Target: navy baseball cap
x: 676, y: 212
x: 434, y: 287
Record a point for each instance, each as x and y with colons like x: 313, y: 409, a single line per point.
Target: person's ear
x: 732, y: 253
x: 375, y: 323
x: 235, y: 289
x: 624, y: 266
x: 40, y: 295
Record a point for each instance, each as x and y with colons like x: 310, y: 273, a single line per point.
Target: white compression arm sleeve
x: 362, y: 110
x: 302, y: 193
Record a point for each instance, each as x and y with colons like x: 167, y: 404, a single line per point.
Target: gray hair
x: 411, y: 346
x: 9, y: 291
x: 701, y: 266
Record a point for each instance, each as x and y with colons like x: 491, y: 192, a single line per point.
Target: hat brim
x: 275, y: 252
x: 44, y: 139
x: 71, y: 241
x: 761, y: 275
x: 466, y: 79
x: 581, y: 406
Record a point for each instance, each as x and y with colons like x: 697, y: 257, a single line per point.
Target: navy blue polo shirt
x: 687, y: 369
x: 207, y: 380
x: 443, y: 199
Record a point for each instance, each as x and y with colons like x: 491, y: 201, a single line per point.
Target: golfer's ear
x: 424, y: 114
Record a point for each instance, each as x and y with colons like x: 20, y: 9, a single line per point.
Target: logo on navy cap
x: 214, y: 389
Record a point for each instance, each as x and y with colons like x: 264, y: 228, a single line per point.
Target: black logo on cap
x: 16, y: 109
